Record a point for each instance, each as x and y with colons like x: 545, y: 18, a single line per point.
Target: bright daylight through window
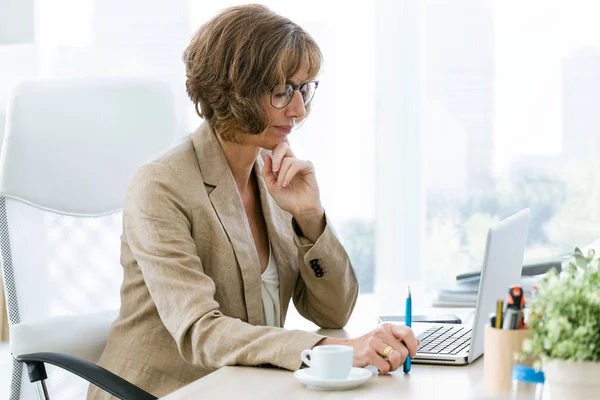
x: 492, y: 106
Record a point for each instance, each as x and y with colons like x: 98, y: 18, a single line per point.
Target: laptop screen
x: 502, y: 265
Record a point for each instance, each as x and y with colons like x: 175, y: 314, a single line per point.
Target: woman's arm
x: 311, y: 225
x: 157, y: 225
x: 327, y: 287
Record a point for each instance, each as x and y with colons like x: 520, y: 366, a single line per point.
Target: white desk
x: 423, y: 382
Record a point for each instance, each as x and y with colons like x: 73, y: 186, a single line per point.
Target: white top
x: 270, y: 293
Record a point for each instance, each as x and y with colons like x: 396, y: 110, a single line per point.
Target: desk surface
x: 423, y: 382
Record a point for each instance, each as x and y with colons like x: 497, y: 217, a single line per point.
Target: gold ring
x: 388, y: 350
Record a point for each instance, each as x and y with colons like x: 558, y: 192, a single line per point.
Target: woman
x: 222, y: 230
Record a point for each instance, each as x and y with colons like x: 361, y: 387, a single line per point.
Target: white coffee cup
x: 330, y: 361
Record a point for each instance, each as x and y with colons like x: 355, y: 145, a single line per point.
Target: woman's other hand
x: 370, y: 349
x: 293, y: 185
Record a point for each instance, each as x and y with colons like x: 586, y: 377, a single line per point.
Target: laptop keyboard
x: 444, y: 340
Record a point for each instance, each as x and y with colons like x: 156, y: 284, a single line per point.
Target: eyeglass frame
x: 294, y: 88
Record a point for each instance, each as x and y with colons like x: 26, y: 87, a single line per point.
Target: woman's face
x: 281, y: 120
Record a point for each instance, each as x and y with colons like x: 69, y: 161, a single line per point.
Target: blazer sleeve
x: 327, y: 288
x: 157, y: 225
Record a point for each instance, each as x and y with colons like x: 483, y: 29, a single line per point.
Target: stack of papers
x: 464, y: 294
x: 455, y: 297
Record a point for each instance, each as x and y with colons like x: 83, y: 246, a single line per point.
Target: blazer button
x: 319, y: 274
x: 314, y: 261
x: 315, y: 267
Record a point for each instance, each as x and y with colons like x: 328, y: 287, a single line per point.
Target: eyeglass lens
x: 282, y: 94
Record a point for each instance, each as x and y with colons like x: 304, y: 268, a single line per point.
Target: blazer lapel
x: 228, y: 205
x: 282, y: 241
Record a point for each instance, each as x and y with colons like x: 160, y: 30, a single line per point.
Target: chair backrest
x: 70, y: 148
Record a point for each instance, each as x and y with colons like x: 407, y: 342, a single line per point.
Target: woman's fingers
x: 284, y: 165
x: 393, y: 351
x: 400, y: 351
x: 387, y: 354
x: 377, y: 359
x: 386, y: 347
x: 396, y: 357
x: 406, y: 335
x: 267, y: 171
x: 280, y: 151
x: 290, y: 167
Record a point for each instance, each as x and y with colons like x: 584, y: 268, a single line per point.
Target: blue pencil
x: 408, y: 322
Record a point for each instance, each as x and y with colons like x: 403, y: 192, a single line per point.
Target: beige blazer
x: 191, y: 295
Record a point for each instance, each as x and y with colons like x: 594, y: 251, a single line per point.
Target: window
x: 433, y: 119
x: 498, y: 112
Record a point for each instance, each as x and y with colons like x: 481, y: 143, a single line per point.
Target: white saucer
x: 357, y: 377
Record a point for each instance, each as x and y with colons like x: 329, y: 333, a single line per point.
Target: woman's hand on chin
x: 292, y: 182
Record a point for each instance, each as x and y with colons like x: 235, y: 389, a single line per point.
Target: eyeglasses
x: 282, y: 95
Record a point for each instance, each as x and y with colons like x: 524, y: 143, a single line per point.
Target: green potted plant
x: 564, y: 317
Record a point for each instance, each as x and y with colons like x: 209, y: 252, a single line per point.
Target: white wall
x: 16, y: 21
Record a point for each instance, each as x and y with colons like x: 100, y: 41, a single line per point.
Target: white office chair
x: 70, y: 147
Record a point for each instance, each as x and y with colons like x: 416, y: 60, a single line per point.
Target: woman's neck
x: 241, y: 158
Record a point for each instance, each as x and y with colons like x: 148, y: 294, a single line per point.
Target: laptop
x: 458, y: 344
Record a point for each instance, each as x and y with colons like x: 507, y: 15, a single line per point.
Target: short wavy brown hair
x: 236, y: 58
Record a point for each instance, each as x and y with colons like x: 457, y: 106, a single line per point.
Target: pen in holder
x: 500, y: 347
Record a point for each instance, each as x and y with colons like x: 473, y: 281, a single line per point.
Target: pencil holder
x: 500, y: 347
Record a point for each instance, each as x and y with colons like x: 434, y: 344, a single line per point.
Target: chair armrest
x: 91, y: 372
x: 79, y: 335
